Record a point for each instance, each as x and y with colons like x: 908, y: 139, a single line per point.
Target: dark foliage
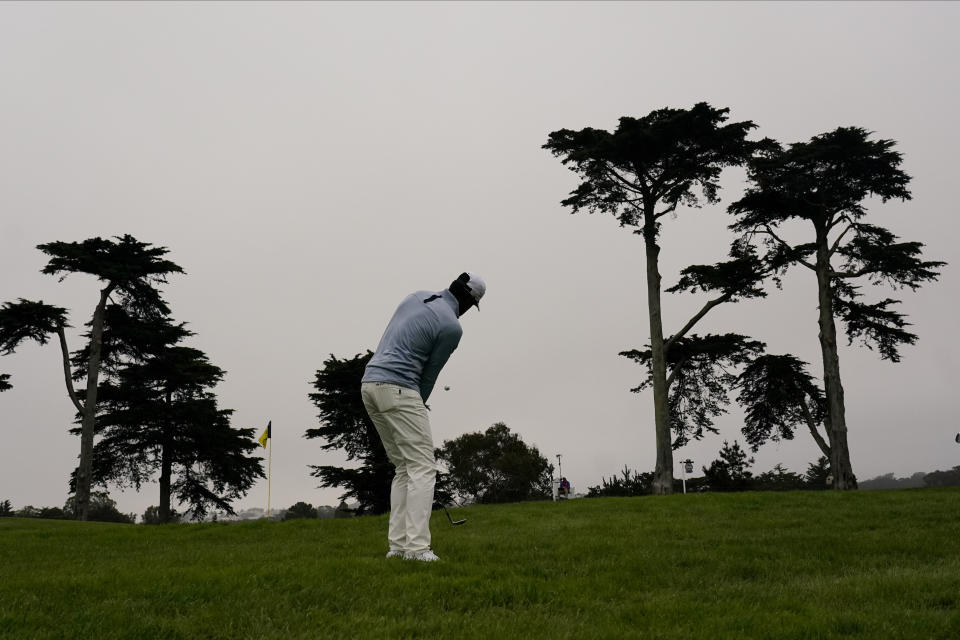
x: 670, y: 156
x: 826, y: 182
x: 158, y: 415
x: 701, y: 372
x: 730, y: 472
x: 345, y: 425
x: 739, y: 278
x: 949, y: 478
x: 152, y: 516
x: 818, y: 474
x: 300, y: 510
x: 778, y: 396
x: 131, y: 268
x: 131, y: 271
x: 28, y: 320
x: 102, y: 508
x: 628, y: 483
x: 888, y: 481
x: 495, y: 466
x: 778, y: 479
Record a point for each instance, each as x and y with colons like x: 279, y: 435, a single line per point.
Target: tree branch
x: 626, y: 183
x: 853, y: 274
x: 669, y: 209
x: 66, y: 368
x: 832, y: 223
x: 770, y: 232
x: 812, y: 425
x: 836, y: 243
x: 694, y: 320
x: 673, y: 372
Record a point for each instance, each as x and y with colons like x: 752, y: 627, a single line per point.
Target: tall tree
x: 825, y: 182
x: 130, y: 272
x: 641, y: 173
x: 344, y: 424
x: 495, y: 466
x: 158, y: 414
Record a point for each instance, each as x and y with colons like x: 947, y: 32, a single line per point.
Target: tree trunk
x: 663, y: 472
x: 85, y: 470
x: 836, y: 423
x: 165, y: 472
x: 166, y: 467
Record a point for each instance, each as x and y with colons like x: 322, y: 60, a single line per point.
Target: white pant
x: 401, y: 420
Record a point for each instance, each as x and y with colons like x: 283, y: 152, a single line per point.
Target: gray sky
x: 308, y: 165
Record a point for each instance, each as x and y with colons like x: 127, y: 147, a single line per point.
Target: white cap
x: 473, y: 284
x: 477, y: 287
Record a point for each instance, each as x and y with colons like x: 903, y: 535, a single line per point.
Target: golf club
x: 452, y: 521
x: 958, y: 437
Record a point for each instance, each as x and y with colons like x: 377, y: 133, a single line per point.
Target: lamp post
x: 687, y: 468
x: 556, y: 492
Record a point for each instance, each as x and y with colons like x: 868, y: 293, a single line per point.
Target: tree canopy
x: 669, y: 157
x: 345, y: 425
x: 778, y: 396
x: 494, y: 466
x: 700, y: 376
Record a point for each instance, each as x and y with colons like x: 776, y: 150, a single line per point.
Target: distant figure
x: 564, y: 488
x: 424, y: 331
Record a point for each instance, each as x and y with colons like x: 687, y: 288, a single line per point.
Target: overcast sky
x: 310, y: 164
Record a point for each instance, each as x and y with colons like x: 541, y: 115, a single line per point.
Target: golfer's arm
x: 445, y: 345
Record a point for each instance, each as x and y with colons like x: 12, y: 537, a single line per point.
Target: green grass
x: 875, y: 565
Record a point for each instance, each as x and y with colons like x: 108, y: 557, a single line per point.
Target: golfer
x: 424, y: 331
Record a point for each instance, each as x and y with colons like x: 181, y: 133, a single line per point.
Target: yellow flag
x: 265, y: 436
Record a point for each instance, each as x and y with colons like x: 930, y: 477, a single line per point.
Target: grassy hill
x: 874, y: 565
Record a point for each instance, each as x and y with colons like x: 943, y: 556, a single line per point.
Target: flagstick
x: 269, y: 466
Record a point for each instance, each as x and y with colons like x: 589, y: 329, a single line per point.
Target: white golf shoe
x: 423, y: 556
x: 396, y: 553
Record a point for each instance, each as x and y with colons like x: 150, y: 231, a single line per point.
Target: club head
x: 452, y: 521
x: 958, y: 437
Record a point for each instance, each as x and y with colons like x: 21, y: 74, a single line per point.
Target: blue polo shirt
x: 422, y: 333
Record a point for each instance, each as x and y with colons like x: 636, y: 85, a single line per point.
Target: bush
x: 778, y: 479
x: 630, y: 483
x: 152, y: 515
x: 102, y: 509
x: 943, y: 478
x: 300, y: 510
